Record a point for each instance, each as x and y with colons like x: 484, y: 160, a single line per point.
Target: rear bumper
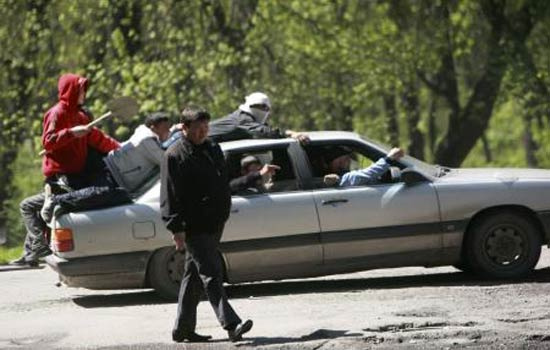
x: 127, y: 270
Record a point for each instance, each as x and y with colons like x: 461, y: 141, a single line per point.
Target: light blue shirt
x: 365, y: 176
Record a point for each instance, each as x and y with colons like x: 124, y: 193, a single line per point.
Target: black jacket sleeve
x: 171, y: 206
x: 243, y: 182
x: 258, y: 130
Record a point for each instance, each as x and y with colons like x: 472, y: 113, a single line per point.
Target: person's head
x: 72, y: 89
x: 339, y: 160
x: 258, y: 105
x: 194, y: 121
x: 159, y: 123
x: 250, y: 164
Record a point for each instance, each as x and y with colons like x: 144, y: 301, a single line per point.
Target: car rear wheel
x: 503, y: 245
x: 166, y: 271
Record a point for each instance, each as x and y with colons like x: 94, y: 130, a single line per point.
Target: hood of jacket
x: 68, y: 89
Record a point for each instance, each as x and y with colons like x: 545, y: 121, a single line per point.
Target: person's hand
x: 80, y: 130
x: 300, y: 136
x: 178, y: 126
x: 395, y: 153
x: 331, y: 179
x: 269, y: 169
x: 179, y: 240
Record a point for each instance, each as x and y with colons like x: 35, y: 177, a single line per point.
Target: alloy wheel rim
x: 505, y: 245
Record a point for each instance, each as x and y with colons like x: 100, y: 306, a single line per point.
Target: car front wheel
x: 166, y: 271
x: 503, y: 245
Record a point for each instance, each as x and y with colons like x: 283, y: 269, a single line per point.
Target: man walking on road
x: 195, y: 203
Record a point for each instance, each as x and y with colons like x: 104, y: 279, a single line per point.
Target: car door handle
x: 233, y: 211
x: 334, y: 201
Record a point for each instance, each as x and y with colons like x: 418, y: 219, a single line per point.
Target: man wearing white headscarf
x: 249, y: 121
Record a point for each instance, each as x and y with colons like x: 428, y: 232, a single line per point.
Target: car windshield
x: 410, y: 162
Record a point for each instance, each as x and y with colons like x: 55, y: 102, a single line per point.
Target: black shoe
x: 236, y: 334
x: 23, y: 262
x: 191, y: 337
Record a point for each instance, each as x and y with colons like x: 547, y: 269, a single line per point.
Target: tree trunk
x: 392, y: 126
x: 529, y: 144
x: 467, y: 127
x: 486, y: 149
x: 412, y: 108
x: 234, y: 34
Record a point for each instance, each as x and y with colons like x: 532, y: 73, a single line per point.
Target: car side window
x: 338, y: 159
x: 244, y: 167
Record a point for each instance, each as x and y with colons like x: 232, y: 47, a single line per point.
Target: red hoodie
x: 65, y: 153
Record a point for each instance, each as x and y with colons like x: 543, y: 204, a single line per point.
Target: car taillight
x: 62, y: 240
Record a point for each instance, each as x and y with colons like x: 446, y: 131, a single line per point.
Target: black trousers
x: 203, y: 271
x: 102, y: 192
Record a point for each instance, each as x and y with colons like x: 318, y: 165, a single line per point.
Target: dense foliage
x: 455, y: 82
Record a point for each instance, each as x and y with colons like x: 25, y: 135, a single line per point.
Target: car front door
x: 381, y: 225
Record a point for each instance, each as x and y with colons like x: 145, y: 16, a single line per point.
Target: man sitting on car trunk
x: 125, y: 171
x: 339, y: 161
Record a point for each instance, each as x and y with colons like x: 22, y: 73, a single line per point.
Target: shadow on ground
x: 274, y: 288
x: 248, y: 342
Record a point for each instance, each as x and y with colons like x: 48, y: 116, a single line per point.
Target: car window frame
x: 290, y: 151
x: 309, y: 182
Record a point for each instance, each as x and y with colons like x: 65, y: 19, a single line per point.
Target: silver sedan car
x: 492, y: 222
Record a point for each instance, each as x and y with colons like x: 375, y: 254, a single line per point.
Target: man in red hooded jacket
x: 66, y: 137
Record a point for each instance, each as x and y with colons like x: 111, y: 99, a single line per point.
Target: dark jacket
x: 194, y: 193
x: 65, y: 153
x: 246, y: 184
x: 241, y: 125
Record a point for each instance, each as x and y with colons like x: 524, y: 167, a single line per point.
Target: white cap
x: 255, y: 98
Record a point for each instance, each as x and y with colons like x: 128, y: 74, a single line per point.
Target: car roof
x: 313, y: 135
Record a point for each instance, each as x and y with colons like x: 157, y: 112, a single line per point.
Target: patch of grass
x: 7, y: 254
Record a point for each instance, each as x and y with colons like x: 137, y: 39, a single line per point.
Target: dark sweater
x: 194, y: 195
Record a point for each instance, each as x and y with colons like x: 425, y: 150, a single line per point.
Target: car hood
x: 501, y: 174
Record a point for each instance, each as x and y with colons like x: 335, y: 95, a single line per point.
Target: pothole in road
x: 539, y: 337
x: 32, y: 306
x: 41, y: 342
x: 411, y: 326
x: 422, y: 312
x: 526, y: 319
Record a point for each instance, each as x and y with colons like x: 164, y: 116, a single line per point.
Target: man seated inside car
x: 126, y: 171
x: 255, y: 177
x: 339, y: 161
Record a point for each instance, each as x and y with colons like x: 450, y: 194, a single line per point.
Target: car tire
x: 166, y: 271
x: 503, y: 245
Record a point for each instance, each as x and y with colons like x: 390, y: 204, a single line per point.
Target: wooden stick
x: 89, y: 125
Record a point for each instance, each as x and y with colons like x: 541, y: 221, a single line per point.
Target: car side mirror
x: 411, y: 177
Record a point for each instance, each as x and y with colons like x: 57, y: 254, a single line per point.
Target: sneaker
x: 47, y: 209
x: 236, y: 333
x: 22, y: 261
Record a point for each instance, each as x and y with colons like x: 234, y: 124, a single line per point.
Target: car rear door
x: 275, y: 234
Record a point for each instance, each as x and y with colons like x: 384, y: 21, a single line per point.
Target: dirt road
x: 385, y: 309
